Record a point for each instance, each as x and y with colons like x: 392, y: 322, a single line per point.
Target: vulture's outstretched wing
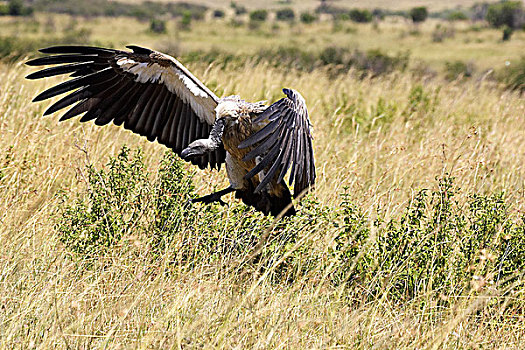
x: 285, y: 143
x: 151, y: 93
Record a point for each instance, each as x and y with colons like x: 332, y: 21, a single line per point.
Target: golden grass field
x: 473, y: 130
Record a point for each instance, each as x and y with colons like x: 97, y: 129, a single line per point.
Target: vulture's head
x: 198, y: 148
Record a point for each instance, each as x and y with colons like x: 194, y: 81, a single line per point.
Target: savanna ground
x: 413, y: 237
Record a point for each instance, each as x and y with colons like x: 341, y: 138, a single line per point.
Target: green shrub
x: 360, y: 16
x: 457, y: 15
x: 15, y: 8
x: 307, y: 17
x: 239, y: 9
x: 143, y: 10
x: 379, y: 13
x: 458, y: 69
x: 507, y: 33
x: 330, y: 9
x: 258, y: 15
x: 185, y: 21
x: 285, y: 14
x: 441, y: 33
x: 157, y: 26
x: 333, y: 55
x: 513, y: 75
x: 420, y: 101
x: 438, y: 247
x: 418, y: 14
x: 372, y: 62
x: 218, y: 13
x: 509, y: 13
x: 376, y: 62
x: 115, y: 201
x: 173, y: 188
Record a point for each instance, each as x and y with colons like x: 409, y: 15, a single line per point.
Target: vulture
x: 154, y: 95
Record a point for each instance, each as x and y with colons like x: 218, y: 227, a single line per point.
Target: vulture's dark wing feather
x: 150, y: 93
x: 284, y: 143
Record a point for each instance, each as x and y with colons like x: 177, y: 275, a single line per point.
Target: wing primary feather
x: 131, y: 122
x: 77, y: 49
x: 167, y: 130
x: 161, y: 116
x: 52, y: 71
x: 108, y: 99
x: 287, y: 159
x: 91, y: 102
x: 60, y: 59
x: 181, y: 128
x: 269, y: 112
x: 175, y: 126
x: 146, y: 112
x: 273, y: 169
x: 125, y: 111
x: 155, y: 110
x: 211, y: 157
x: 76, y: 83
x: 298, y: 152
x: 69, y: 100
x: 263, y: 163
x: 298, y: 161
x: 80, y: 94
x: 91, y: 114
x: 113, y: 103
x: 79, y: 108
x: 88, y: 70
x: 192, y: 136
x: 305, y: 171
x: 189, y: 116
x: 307, y: 159
x: 300, y: 177
x: 262, y: 147
x: 258, y: 136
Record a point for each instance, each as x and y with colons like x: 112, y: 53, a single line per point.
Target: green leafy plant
x: 308, y: 18
x: 115, y: 201
x: 505, y: 13
x: 157, y: 26
x: 418, y: 14
x: 259, y: 15
x: 285, y: 14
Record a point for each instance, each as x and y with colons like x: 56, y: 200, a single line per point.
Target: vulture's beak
x: 187, y: 153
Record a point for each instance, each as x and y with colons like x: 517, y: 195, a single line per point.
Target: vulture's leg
x: 214, y: 197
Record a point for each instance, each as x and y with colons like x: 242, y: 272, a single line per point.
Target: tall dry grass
x: 383, y: 138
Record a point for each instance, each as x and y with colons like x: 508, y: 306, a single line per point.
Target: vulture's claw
x: 214, y: 197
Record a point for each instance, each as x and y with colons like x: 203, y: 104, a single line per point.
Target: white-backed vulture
x: 154, y: 95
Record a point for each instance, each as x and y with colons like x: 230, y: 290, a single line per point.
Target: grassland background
x: 379, y: 139
x: 312, y: 4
